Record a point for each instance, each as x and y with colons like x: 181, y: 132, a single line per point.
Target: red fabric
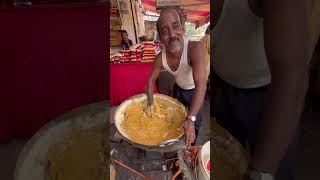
x: 52, y: 60
x: 127, y: 80
x: 198, y: 11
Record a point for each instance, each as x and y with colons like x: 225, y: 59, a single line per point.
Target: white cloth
x: 238, y: 53
x: 183, y: 75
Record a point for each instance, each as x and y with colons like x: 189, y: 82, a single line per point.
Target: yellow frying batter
x: 151, y: 127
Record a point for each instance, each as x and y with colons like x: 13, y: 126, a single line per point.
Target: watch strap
x: 192, y: 118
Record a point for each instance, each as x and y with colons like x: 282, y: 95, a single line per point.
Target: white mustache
x: 173, y: 42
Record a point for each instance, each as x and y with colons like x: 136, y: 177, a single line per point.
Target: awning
x: 198, y: 11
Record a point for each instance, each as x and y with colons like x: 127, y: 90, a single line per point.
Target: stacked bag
x: 148, y: 52
x: 131, y: 55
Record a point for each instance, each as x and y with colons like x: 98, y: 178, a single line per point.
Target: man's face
x: 124, y: 36
x: 171, y: 31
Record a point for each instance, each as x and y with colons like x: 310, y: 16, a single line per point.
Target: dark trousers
x: 239, y: 111
x: 185, y: 97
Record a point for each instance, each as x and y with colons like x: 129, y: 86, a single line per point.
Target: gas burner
x: 152, y: 164
x: 132, y: 162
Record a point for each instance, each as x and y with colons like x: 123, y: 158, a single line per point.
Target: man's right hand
x: 152, y: 79
x: 149, y: 93
x: 150, y: 100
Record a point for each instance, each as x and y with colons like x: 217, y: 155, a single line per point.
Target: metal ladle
x: 168, y: 142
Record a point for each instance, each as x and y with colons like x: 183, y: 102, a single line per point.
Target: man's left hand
x: 188, y: 126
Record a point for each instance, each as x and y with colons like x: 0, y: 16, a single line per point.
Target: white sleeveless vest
x: 183, y: 75
x: 239, y: 55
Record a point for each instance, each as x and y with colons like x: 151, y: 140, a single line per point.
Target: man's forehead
x: 170, y: 12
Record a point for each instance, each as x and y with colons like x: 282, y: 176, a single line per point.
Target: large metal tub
x: 227, y: 153
x: 32, y: 163
x: 119, y: 118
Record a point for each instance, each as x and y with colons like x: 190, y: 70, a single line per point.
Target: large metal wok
x: 230, y: 160
x: 119, y: 117
x: 33, y: 162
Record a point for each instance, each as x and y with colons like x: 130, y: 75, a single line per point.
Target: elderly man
x: 185, y: 60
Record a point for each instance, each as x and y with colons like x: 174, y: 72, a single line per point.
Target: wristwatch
x: 256, y: 175
x: 192, y: 118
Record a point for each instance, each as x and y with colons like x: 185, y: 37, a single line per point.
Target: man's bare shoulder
x: 195, y: 51
x: 195, y: 46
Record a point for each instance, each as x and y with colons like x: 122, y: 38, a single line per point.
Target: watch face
x: 192, y: 118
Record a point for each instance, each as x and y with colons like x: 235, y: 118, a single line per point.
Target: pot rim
x: 142, y: 95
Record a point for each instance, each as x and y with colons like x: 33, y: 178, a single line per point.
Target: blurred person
x: 126, y: 43
x: 206, y: 43
x: 261, y: 52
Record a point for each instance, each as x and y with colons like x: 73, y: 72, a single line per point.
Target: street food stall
x: 133, y: 156
x: 148, y: 145
x: 129, y: 69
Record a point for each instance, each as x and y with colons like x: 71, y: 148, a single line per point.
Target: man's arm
x: 285, y: 34
x: 153, y: 77
x: 197, y: 61
x: 197, y: 58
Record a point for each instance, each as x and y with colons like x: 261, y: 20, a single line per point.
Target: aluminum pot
x: 169, y: 146
x: 32, y: 163
x: 227, y: 150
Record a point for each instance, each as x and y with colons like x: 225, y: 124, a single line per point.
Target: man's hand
x: 150, y: 99
x: 152, y: 79
x: 149, y: 108
x: 188, y: 126
x: 150, y: 102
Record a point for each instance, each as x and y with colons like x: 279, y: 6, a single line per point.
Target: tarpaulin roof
x: 198, y: 11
